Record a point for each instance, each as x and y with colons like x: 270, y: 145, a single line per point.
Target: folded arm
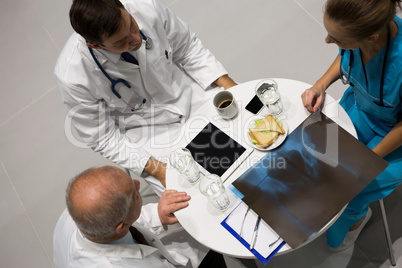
x: 98, y: 129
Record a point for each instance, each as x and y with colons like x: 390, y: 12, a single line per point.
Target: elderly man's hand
x: 170, y: 202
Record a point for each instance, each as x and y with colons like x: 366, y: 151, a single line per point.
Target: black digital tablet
x: 217, y: 152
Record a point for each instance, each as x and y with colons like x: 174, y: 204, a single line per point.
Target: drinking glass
x: 212, y: 187
x: 183, y: 161
x: 268, y: 93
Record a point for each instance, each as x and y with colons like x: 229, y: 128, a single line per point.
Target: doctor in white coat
x: 103, y: 204
x: 132, y: 113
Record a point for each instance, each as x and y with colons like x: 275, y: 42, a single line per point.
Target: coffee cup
x: 225, y: 104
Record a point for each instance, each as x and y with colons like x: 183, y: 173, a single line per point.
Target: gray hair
x: 100, y: 221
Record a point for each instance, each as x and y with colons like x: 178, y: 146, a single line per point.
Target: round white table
x: 200, y: 219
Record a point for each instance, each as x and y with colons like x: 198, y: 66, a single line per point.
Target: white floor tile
x: 314, y: 8
x: 372, y: 239
x: 168, y: 3
x: 263, y: 39
x: 27, y: 57
x: 20, y: 246
x: 397, y: 247
x: 40, y: 161
x: 56, y: 22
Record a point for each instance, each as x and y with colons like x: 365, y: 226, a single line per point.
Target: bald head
x: 98, y: 200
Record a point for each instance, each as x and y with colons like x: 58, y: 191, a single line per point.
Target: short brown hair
x: 96, y: 19
x: 362, y: 18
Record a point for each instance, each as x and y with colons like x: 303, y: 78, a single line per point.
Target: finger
x: 309, y: 104
x: 177, y: 197
x: 318, y: 103
x: 168, y: 192
x: 171, y: 219
x: 315, y: 107
x: 304, y: 98
x: 308, y: 99
x: 171, y: 208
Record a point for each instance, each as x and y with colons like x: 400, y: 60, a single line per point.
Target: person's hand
x: 170, y: 202
x: 225, y: 81
x: 312, y: 98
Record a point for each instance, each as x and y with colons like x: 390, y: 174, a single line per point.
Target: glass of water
x: 212, y: 187
x: 267, y: 92
x: 183, y: 161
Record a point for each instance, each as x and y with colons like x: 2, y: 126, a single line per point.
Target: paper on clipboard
x: 241, y: 221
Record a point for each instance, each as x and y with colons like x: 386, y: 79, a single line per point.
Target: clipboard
x: 241, y: 222
x: 216, y: 151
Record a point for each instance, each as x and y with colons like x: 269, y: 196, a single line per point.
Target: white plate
x: 278, y: 142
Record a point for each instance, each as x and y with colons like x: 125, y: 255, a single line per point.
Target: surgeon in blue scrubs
x: 369, y: 36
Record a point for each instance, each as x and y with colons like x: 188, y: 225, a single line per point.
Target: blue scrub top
x: 366, y: 85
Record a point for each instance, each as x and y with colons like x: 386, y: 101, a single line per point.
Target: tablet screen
x: 214, y: 150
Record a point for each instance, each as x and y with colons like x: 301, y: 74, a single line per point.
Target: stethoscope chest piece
x: 149, y: 44
x: 345, y: 81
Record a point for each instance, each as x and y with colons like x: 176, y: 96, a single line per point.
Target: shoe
x: 351, y: 236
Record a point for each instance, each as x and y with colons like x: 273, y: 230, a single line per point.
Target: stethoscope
x: 347, y: 80
x: 148, y: 45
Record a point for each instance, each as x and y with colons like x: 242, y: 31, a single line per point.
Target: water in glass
x: 212, y: 187
x: 267, y: 92
x: 183, y: 161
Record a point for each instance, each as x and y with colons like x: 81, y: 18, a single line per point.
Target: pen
x: 254, y: 239
x: 273, y: 243
x: 244, y: 219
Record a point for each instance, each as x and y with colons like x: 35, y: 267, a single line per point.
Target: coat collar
x: 137, y: 251
x: 105, y: 55
x: 115, y: 57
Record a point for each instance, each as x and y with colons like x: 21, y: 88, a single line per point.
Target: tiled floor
x: 253, y: 39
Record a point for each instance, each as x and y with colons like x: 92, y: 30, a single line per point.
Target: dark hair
x: 99, y: 221
x: 96, y: 19
x: 362, y: 18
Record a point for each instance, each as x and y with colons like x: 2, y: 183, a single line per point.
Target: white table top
x: 200, y: 218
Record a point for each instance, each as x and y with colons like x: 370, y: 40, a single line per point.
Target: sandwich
x: 266, y: 132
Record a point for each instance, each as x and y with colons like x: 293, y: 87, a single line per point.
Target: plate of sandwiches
x: 267, y: 133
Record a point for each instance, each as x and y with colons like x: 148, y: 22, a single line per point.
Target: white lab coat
x: 172, y: 77
x: 71, y: 249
